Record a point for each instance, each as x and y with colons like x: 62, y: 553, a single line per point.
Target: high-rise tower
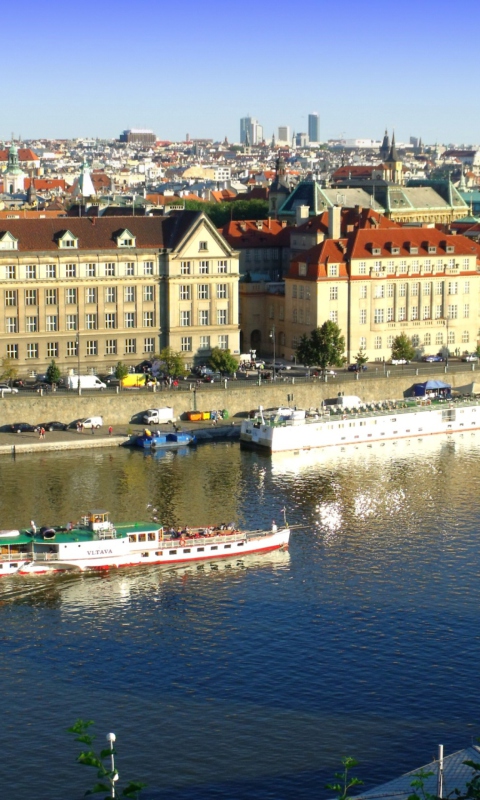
x: 314, y: 127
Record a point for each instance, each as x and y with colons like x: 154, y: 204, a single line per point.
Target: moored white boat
x: 376, y: 422
x: 95, y: 544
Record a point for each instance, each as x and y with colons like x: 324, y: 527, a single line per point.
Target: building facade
x: 91, y: 292
x: 313, y: 127
x: 376, y: 284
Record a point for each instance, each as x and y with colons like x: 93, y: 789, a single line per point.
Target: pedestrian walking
x: 93, y: 429
x: 110, y: 430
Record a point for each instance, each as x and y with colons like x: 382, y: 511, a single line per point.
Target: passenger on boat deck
x: 69, y: 526
x: 33, y: 526
x: 274, y: 526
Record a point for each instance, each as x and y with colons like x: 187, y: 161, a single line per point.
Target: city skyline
x: 97, y: 75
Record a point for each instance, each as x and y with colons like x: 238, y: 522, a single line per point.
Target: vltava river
x: 250, y: 678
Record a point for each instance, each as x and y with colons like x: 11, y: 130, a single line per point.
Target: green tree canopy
x: 53, y: 372
x: 403, y: 348
x: 171, y: 361
x: 361, y: 358
x: 222, y: 360
x: 324, y: 347
x: 9, y: 370
x: 121, y: 370
x: 221, y: 213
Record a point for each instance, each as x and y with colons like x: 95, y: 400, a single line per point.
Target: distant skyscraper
x: 284, y: 133
x: 253, y: 128
x: 314, y: 127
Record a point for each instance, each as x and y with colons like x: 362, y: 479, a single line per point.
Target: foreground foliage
x: 106, y: 776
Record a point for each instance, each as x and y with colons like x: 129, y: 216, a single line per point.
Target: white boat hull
x: 355, y: 428
x: 165, y: 552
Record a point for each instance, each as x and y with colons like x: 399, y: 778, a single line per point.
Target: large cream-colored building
x: 91, y: 292
x: 378, y: 283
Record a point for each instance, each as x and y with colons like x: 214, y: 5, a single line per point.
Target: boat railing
x: 37, y: 556
x: 216, y: 538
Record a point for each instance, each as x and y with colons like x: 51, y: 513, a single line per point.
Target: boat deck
x: 366, y: 410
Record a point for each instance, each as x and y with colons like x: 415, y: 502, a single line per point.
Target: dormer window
x: 8, y: 242
x: 432, y: 249
x: 302, y: 270
x: 125, y: 239
x: 67, y: 239
x: 450, y: 248
x: 395, y: 250
x: 413, y: 248
x: 376, y: 251
x: 333, y: 270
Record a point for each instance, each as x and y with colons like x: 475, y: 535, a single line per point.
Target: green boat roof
x: 21, y: 538
x: 63, y: 536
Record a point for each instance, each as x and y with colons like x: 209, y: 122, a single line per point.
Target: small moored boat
x: 164, y: 441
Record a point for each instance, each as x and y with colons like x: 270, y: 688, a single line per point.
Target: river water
x: 249, y: 678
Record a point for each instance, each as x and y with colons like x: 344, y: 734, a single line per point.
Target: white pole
x: 111, y: 738
x: 440, y: 771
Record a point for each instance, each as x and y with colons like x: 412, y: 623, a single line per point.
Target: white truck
x: 154, y: 416
x: 91, y: 422
x: 86, y: 382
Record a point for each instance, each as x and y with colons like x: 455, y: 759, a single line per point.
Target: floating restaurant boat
x: 163, y: 441
x: 96, y: 544
x: 329, y: 426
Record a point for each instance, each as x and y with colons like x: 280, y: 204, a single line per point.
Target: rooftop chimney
x: 334, y: 222
x: 301, y: 214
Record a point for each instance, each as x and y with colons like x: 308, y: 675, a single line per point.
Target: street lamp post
x: 272, y: 337
x: 79, y: 388
x: 110, y: 739
x: 447, y: 318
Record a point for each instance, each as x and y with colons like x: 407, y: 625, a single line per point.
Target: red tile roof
x: 241, y: 234
x: 24, y: 154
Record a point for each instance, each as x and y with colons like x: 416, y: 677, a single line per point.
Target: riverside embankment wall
x: 237, y: 398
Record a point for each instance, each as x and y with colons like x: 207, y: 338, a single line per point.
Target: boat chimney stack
x: 440, y: 771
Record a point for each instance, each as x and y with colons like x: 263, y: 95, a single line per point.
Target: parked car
x: 4, y: 387
x: 211, y: 377
x: 398, y: 361
x: 53, y: 426
x: 22, y: 427
x: 357, y: 367
x: 92, y: 422
x: 430, y: 359
x: 470, y: 357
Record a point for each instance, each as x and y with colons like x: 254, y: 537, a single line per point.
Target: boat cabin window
x: 200, y: 549
x: 151, y: 537
x: 142, y: 537
x: 187, y: 550
x: 132, y: 537
x: 159, y: 552
x: 214, y: 547
x: 172, y: 552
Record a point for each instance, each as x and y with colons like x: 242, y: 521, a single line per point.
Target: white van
x: 92, y: 422
x: 154, y: 416
x: 86, y: 382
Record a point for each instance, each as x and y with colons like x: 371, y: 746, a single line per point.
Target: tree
x: 9, y: 370
x: 361, y: 358
x: 344, y: 782
x: 107, y: 775
x: 402, y: 348
x: 221, y: 213
x: 121, y: 370
x: 172, y: 362
x: 222, y: 360
x: 324, y: 347
x: 53, y: 373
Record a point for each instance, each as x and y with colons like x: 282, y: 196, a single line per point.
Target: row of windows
x: 414, y: 289
x: 52, y: 349
x: 298, y: 315
x: 204, y: 267
x: 439, y: 339
x: 301, y: 291
x: 388, y: 314
x: 428, y: 265
x: 71, y: 322
x: 110, y: 269
x: 203, y: 317
x: 31, y: 296
x: 263, y: 254
x: 203, y: 291
x: 186, y: 343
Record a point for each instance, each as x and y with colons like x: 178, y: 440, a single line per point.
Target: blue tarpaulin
x: 439, y: 387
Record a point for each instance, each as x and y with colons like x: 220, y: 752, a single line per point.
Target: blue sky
x: 96, y: 67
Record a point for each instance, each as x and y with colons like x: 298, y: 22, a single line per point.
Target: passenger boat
x: 96, y: 544
x: 163, y: 441
x: 330, y: 426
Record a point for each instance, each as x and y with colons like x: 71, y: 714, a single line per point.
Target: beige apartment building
x: 89, y: 292
x: 376, y: 284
